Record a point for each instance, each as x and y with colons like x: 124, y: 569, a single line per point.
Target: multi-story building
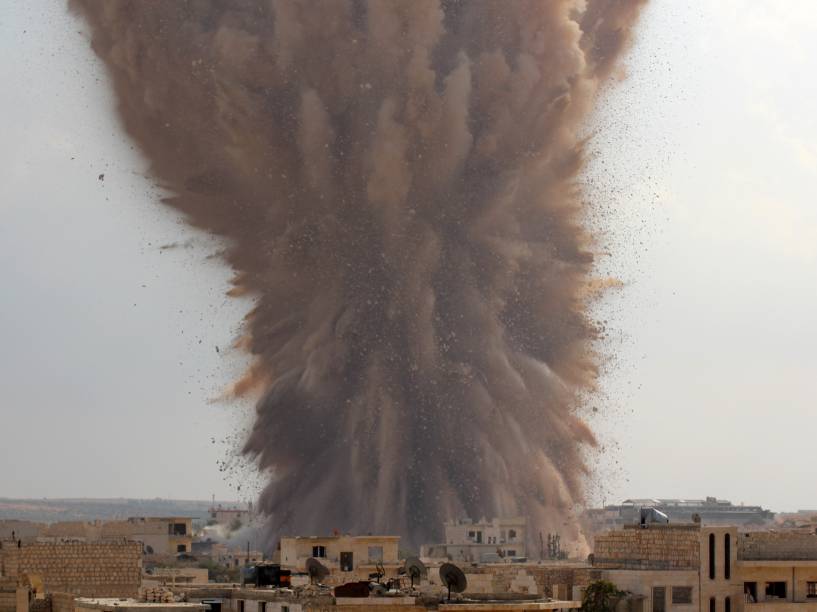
x: 230, y: 517
x: 690, y: 567
x: 480, y: 541
x: 346, y: 557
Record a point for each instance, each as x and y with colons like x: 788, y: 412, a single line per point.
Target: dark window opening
x: 511, y: 534
x: 712, y: 606
x: 181, y: 548
x: 659, y: 599
x: 262, y: 606
x: 811, y: 589
x: 319, y: 552
x: 750, y: 592
x: 471, y: 535
x: 712, y: 556
x: 775, y: 590
x: 681, y: 595
x: 284, y: 608
x: 177, y: 529
x: 727, y: 604
x: 511, y: 552
x: 479, y: 537
x: 240, y: 605
x: 727, y: 557
x: 346, y: 562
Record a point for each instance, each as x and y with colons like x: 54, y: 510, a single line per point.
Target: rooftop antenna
x: 453, y: 578
x: 416, y: 570
x: 317, y: 570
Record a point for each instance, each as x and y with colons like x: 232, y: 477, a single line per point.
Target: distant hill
x: 51, y: 510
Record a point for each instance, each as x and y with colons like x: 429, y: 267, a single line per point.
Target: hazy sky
x: 705, y: 173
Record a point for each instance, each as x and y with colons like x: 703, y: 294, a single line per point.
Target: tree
x: 601, y: 596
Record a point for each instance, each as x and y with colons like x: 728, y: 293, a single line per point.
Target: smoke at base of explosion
x: 397, y: 183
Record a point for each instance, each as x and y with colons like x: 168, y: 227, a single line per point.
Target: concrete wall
x: 643, y: 582
x: 720, y: 587
x: 778, y: 545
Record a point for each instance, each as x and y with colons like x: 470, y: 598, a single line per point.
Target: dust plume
x: 397, y: 184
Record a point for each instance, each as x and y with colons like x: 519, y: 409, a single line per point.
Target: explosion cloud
x: 396, y: 180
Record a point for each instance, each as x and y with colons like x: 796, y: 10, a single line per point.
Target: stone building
x: 480, y: 541
x: 711, y: 568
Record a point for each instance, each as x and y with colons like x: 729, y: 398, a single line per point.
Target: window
x: 727, y: 557
x: 811, y: 589
x: 775, y: 590
x: 712, y: 605
x: 681, y: 595
x: 240, y: 605
x: 262, y: 606
x: 727, y: 604
x: 659, y: 599
x: 375, y: 554
x: 181, y: 548
x: 346, y: 562
x: 479, y: 537
x: 511, y: 534
x: 319, y: 552
x: 712, y: 556
x: 471, y: 535
x: 284, y: 608
x: 750, y: 592
x: 510, y: 552
x: 176, y: 529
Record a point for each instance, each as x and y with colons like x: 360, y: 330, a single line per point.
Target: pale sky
x: 108, y: 367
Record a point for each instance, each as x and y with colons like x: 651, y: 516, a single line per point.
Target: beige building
x: 160, y: 535
x: 231, y: 516
x: 347, y: 557
x: 482, y: 541
x: 711, y: 569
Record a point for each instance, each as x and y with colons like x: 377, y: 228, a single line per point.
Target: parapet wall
x: 100, y: 569
x: 777, y: 546
x: 658, y: 547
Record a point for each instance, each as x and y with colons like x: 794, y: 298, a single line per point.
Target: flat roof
x: 115, y: 603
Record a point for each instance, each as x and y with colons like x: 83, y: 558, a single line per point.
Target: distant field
x: 51, y: 510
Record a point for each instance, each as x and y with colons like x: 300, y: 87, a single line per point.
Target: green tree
x: 601, y: 596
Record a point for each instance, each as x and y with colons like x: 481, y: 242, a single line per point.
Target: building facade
x: 481, y: 541
x: 692, y: 567
x: 346, y: 557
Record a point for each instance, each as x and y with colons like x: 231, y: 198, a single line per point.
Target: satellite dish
x: 453, y: 578
x: 416, y: 569
x: 317, y: 570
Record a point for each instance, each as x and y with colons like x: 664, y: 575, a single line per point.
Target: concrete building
x: 481, y: 541
x: 347, y: 557
x: 230, y: 517
x: 691, y: 567
x: 165, y: 536
x: 711, y: 511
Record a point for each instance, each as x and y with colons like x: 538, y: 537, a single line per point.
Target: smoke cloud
x: 397, y: 184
